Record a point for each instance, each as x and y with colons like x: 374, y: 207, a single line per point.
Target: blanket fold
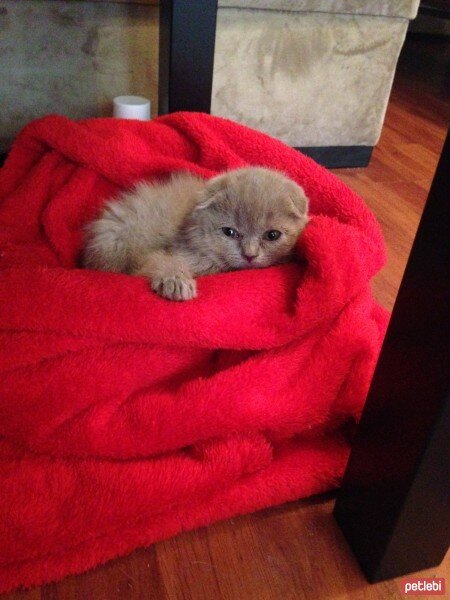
x: 124, y: 417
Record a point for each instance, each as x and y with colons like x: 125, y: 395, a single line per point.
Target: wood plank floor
x: 297, y: 551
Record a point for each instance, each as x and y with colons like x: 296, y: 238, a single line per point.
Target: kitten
x: 174, y: 231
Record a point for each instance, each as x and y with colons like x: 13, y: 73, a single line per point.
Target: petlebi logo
x: 423, y: 586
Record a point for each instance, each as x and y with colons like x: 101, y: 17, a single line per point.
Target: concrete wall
x: 73, y: 58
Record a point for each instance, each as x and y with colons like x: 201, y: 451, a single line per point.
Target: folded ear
x: 212, y: 192
x: 300, y: 202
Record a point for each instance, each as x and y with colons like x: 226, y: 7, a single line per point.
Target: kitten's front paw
x: 178, y: 287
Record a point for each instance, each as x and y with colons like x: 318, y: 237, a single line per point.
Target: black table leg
x: 394, y: 503
x: 186, y: 54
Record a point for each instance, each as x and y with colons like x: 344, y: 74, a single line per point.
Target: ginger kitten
x: 176, y: 230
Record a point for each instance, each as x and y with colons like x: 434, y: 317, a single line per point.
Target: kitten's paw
x: 178, y: 287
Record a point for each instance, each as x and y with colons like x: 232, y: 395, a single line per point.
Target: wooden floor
x: 297, y: 551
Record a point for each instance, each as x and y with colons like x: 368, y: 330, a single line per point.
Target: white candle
x: 131, y: 107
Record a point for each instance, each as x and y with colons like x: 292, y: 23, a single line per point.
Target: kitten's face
x: 249, y: 218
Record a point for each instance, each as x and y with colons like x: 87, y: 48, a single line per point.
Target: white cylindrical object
x: 131, y: 107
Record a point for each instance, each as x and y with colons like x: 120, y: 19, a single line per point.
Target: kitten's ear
x: 212, y: 192
x: 299, y: 201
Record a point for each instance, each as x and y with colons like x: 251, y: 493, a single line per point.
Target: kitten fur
x: 173, y: 231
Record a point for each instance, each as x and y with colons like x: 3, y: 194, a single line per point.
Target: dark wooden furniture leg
x: 186, y: 54
x: 393, y: 507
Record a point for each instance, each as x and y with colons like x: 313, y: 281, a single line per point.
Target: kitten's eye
x: 230, y: 232
x: 272, y: 235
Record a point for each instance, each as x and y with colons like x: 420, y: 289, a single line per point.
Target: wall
x: 73, y: 58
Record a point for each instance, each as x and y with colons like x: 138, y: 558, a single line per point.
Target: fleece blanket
x: 126, y: 418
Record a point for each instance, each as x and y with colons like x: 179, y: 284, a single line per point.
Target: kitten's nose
x: 250, y: 257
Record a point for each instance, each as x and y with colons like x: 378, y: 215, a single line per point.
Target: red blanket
x: 124, y: 417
